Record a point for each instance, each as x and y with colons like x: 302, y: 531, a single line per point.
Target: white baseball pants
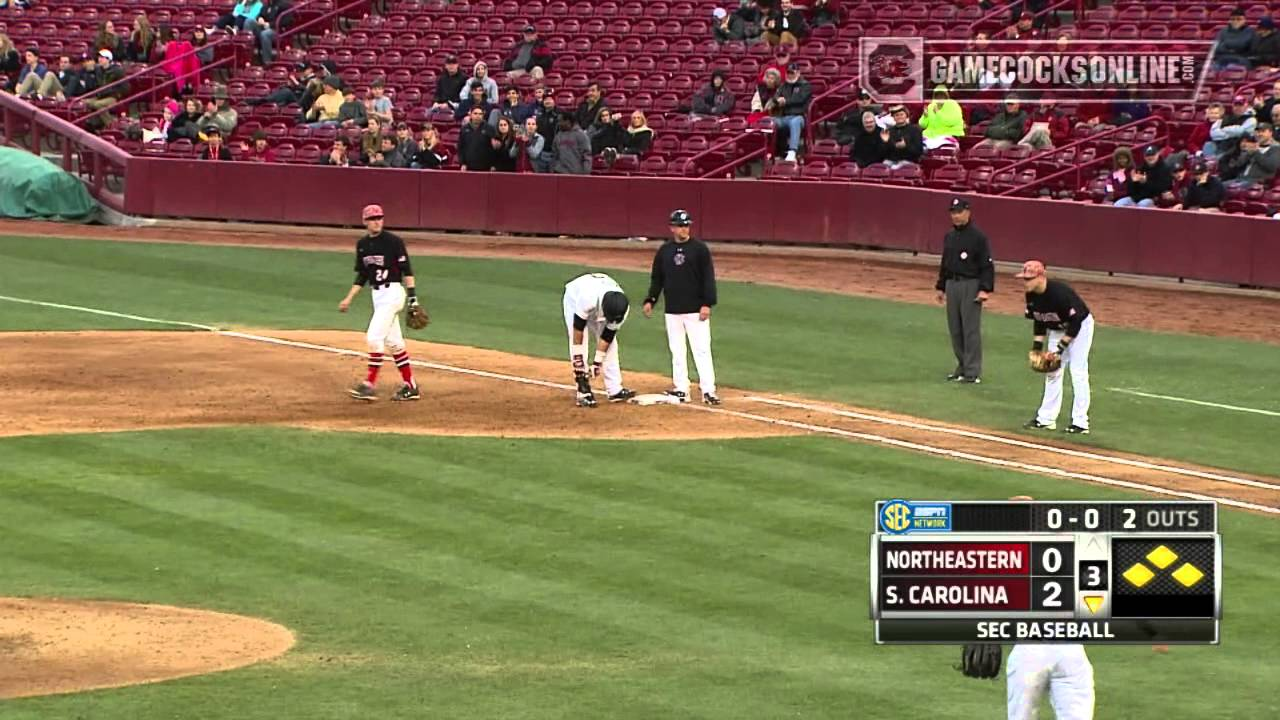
x: 698, y: 333
x: 1063, y: 671
x: 611, y: 367
x: 384, y: 332
x: 1075, y: 360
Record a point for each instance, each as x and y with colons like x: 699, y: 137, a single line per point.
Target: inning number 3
x: 381, y: 274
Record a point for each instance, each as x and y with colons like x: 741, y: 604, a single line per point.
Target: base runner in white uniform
x: 1062, y: 323
x: 1062, y: 671
x: 683, y: 272
x: 595, y: 306
x: 382, y: 263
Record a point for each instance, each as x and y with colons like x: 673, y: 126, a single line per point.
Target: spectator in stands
x: 1024, y: 28
x: 1049, y: 127
x: 429, y: 154
x: 480, y: 74
x: 1226, y: 133
x: 792, y: 103
x: 214, y: 149
x: 220, y: 113
x: 381, y: 105
x: 31, y: 76
x: 571, y: 153
x: 1139, y: 192
x: 548, y: 118
x: 449, y: 84
x: 1264, y: 49
x: 301, y: 87
x: 513, y: 108
x: 475, y: 149
x: 1117, y: 183
x: 268, y: 27
x: 752, y: 18
x: 531, y: 55
x: 10, y: 60
x: 370, y: 140
x: 107, y: 72
x: 506, y: 146
x: 56, y: 82
x: 477, y: 99
x: 824, y: 12
x: 178, y: 60
x: 726, y: 26
x: 1159, y: 175
x: 186, y: 124
x: 1133, y: 108
x: 781, y: 60
x: 200, y: 41
x: 259, y: 152
x: 324, y: 110
x: 351, y: 114
x: 1264, y: 107
x: 714, y: 99
x: 1234, y: 42
x: 160, y: 133
x: 141, y: 42
x: 1178, y: 192
x: 589, y: 109
x: 107, y: 39
x: 942, y: 122
x: 337, y: 156
x: 905, y: 139
x: 639, y: 135
x: 81, y: 79
x: 1205, y: 193
x: 1261, y: 158
x: 244, y: 14
x: 405, y: 144
x: 785, y: 25
x: 1008, y: 126
x: 387, y: 155
x: 762, y: 104
x: 606, y: 135
x: 1198, y: 143
x: 869, y: 142
x: 534, y: 145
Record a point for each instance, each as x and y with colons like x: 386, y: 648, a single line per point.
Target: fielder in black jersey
x: 683, y: 271
x: 1061, y: 323
x: 382, y: 263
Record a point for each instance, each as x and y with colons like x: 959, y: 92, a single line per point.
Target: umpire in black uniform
x: 966, y: 278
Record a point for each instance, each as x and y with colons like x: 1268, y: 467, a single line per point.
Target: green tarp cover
x: 32, y: 187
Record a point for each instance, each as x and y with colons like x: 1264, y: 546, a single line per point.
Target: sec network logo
x: 898, y: 517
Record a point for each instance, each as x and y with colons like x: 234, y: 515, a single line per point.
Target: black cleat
x: 1077, y: 430
x: 407, y: 392
x: 710, y: 399
x: 680, y: 394
x: 971, y: 380
x: 1034, y: 424
x: 622, y: 395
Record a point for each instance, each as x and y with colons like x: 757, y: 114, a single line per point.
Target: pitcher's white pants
x: 1063, y: 671
x: 1075, y: 360
x: 611, y: 367
x: 698, y: 333
x: 384, y: 327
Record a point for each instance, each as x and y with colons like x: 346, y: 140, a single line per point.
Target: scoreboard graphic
x: 1046, y: 572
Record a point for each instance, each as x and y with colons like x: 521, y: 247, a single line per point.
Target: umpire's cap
x: 680, y: 218
x: 614, y: 305
x: 371, y: 212
x: 958, y: 204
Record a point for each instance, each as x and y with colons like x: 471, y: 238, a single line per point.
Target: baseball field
x: 198, y: 522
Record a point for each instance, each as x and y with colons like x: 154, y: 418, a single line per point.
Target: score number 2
x: 1051, y: 561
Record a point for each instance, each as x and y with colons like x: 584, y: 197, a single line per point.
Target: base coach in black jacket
x: 966, y: 278
x: 682, y: 269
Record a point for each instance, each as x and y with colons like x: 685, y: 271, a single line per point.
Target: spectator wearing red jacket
x: 531, y: 55
x: 259, y: 151
x: 1200, y: 135
x: 1050, y: 127
x: 779, y: 63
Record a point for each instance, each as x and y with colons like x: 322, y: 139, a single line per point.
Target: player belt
x: 956, y: 276
x: 383, y: 286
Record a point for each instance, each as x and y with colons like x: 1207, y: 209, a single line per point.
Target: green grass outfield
x: 688, y: 580
x: 717, y: 580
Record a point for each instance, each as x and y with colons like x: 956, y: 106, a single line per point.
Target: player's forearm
x: 355, y: 290
x: 578, y: 337
x: 409, y: 283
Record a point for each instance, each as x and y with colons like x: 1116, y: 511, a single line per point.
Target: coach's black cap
x: 1152, y: 150
x: 958, y: 204
x: 681, y: 218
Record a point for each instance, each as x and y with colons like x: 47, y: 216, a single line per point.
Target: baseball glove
x: 418, y: 317
x: 1044, y: 362
x: 980, y: 661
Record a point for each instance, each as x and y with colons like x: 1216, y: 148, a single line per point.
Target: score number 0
x: 1054, y: 518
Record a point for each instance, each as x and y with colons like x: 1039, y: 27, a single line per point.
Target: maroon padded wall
x: 1229, y: 249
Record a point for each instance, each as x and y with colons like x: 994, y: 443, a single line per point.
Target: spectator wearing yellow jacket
x: 942, y: 121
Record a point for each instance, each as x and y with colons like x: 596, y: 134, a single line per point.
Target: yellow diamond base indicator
x: 1094, y: 602
x: 1162, y: 557
x: 1188, y: 575
x: 1138, y: 575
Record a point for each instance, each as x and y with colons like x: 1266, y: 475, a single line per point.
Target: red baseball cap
x: 371, y: 212
x: 1031, y: 269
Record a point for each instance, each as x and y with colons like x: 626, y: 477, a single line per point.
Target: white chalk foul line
x: 986, y: 437
x: 822, y: 429
x: 1189, y: 401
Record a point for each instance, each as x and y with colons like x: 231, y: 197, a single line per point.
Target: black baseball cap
x: 614, y: 306
x: 1199, y: 166
x: 681, y: 218
x: 958, y: 204
x: 213, y: 130
x: 1152, y: 150
x: 450, y: 59
x: 864, y: 95
x: 530, y: 28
